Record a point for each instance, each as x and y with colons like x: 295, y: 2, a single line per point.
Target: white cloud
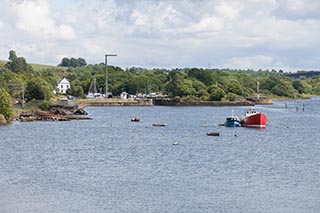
x: 94, y: 48
x: 1, y: 24
x: 228, y: 10
x: 34, y: 18
x: 65, y: 32
x: 249, y: 33
x: 209, y: 24
x: 251, y: 62
x: 139, y: 19
x: 297, y: 9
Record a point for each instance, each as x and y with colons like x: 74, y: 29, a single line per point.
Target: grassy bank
x: 2, y: 63
x: 37, y: 67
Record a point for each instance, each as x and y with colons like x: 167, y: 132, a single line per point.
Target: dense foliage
x: 17, y: 64
x: 188, y: 83
x: 5, y: 104
x: 73, y: 62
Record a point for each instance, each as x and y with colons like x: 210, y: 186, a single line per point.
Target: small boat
x: 252, y: 118
x: 213, y: 134
x: 135, y: 119
x: 93, y: 90
x: 159, y: 124
x: 232, y: 121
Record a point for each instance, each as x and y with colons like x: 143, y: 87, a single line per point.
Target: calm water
x: 110, y: 164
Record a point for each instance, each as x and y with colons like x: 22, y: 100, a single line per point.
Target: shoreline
x: 38, y: 115
x: 158, y: 102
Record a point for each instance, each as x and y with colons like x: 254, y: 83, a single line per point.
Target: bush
x: 44, y: 105
x: 38, y: 89
x: 231, y: 96
x: 216, y: 93
x: 6, y: 108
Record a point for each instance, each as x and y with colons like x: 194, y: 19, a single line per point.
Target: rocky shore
x: 57, y: 115
x: 2, y: 120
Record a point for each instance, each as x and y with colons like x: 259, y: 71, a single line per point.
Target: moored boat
x: 252, y: 118
x: 232, y: 121
x: 135, y: 119
x: 159, y: 124
x: 213, y: 134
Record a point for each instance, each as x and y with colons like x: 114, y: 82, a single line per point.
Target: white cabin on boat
x: 250, y: 111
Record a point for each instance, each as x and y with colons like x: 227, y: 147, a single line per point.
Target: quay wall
x: 158, y: 102
x: 115, y: 102
x: 171, y: 102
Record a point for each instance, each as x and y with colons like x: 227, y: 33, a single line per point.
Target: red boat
x: 252, y: 118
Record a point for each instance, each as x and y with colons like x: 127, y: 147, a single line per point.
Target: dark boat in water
x: 135, y: 119
x: 213, y: 134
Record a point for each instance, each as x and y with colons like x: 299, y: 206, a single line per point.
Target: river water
x: 110, y: 164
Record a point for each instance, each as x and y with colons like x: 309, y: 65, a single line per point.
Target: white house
x: 63, y: 85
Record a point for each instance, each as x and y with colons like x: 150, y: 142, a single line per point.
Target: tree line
x: 187, y: 83
x: 73, y: 62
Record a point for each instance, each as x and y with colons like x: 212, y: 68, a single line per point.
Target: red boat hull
x: 258, y: 120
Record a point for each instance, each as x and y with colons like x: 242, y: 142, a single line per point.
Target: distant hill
x: 37, y: 67
x: 2, y: 63
x: 303, y: 74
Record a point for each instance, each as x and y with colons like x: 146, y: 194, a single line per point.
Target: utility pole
x: 106, y: 61
x: 22, y: 95
x: 258, y: 95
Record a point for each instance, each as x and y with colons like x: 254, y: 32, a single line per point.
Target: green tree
x: 180, y: 85
x: 76, y: 89
x: 65, y: 62
x: 269, y: 83
x: 82, y: 62
x: 39, y: 89
x: 231, y: 85
x: 17, y: 64
x: 284, y: 88
x: 73, y: 62
x: 231, y: 97
x: 216, y: 93
x: 137, y: 84
x: 301, y: 86
x: 205, y: 76
x: 5, y: 104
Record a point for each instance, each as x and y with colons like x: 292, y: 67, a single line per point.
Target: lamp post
x: 106, y: 61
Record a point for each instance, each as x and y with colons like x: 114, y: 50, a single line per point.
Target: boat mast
x: 93, y: 86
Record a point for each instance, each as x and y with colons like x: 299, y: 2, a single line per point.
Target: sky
x: 235, y: 34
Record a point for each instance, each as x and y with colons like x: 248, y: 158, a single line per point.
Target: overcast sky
x: 246, y: 34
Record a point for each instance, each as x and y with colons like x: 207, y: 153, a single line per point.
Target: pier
x: 102, y: 102
x: 114, y: 102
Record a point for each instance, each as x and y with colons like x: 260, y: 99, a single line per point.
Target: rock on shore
x: 48, y: 116
x: 2, y: 120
